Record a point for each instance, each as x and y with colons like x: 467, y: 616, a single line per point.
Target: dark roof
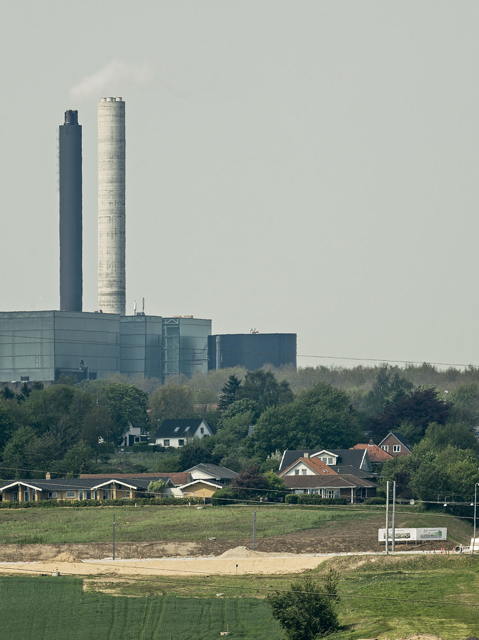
x: 333, y: 482
x: 222, y: 473
x: 180, y: 428
x: 353, y: 457
x: 65, y: 484
x: 402, y: 440
x: 354, y: 471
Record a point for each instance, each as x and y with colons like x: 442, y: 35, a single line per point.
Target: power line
x: 256, y: 589
x: 38, y: 339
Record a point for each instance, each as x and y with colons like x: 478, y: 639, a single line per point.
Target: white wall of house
x: 198, y: 474
x: 201, y: 432
x: 300, y: 469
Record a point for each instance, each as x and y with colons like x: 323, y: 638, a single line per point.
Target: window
x: 396, y: 448
x: 187, y: 429
x: 325, y: 460
x: 137, y: 438
x: 105, y: 494
x: 181, y: 442
x: 202, y: 429
x: 177, y: 429
x: 71, y: 494
x: 329, y: 493
x: 52, y: 494
x: 330, y: 461
x: 304, y: 471
x: 296, y: 472
x: 166, y: 443
x: 385, y: 447
x: 88, y: 495
x: 81, y: 495
x: 27, y: 496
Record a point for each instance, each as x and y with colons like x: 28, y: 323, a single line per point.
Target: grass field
x: 57, y: 608
x: 86, y: 525
x: 382, y: 597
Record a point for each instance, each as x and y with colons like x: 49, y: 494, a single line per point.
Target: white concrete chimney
x: 111, y: 206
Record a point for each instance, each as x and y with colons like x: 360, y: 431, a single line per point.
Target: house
x: 332, y: 486
x: 200, y: 489
x: 107, y: 488
x: 177, y: 478
x: 396, y: 444
x: 134, y: 435
x: 340, y: 460
x: 176, y: 433
x: 212, y: 473
x: 307, y: 466
x: 375, y: 453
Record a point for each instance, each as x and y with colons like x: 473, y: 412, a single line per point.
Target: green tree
x: 262, y: 387
x: 45, y: 408
x: 197, y: 452
x: 169, y: 464
x: 97, y: 424
x: 15, y: 458
x: 250, y: 484
x: 77, y: 460
x: 229, y: 392
x: 275, y: 486
x: 307, y: 610
x: 388, y: 388
x: 418, y: 410
x: 156, y: 486
x: 465, y: 403
x: 125, y: 403
x: 320, y: 417
x: 171, y: 401
x: 7, y: 424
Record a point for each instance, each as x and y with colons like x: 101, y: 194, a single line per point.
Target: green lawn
x: 57, y: 608
x: 382, y: 597
x: 153, y: 523
x: 59, y: 525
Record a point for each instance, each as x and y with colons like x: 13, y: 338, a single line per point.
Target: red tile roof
x: 315, y: 464
x: 376, y: 454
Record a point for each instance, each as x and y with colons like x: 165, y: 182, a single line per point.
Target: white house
x: 176, y: 433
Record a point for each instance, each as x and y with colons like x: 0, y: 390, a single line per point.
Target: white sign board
x: 419, y: 535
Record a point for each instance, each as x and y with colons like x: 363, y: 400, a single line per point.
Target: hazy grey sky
x: 305, y: 166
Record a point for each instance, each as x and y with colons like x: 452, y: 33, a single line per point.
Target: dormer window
x: 187, y: 429
x: 296, y: 472
x: 177, y: 429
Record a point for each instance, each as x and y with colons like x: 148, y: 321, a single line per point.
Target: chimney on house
x: 371, y: 443
x: 306, y: 455
x: 48, y: 476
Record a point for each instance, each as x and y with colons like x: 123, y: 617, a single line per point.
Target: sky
x: 307, y: 167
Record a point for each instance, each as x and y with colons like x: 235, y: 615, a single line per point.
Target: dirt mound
x: 63, y: 557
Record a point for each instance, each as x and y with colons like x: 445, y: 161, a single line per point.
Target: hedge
x: 304, y: 498
x: 141, y: 502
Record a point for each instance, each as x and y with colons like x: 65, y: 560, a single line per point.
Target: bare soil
x: 353, y: 536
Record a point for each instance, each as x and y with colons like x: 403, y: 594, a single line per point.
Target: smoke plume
x: 114, y: 75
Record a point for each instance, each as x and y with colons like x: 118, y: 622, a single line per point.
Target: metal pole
x: 254, y: 530
x: 114, y: 536
x: 393, y: 545
x: 387, y: 517
x: 475, y: 514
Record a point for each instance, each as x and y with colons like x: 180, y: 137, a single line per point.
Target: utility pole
x: 387, y: 517
x: 114, y: 536
x: 475, y: 514
x: 254, y: 530
x: 393, y: 541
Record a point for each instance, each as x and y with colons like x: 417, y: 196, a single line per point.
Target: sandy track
x: 259, y: 565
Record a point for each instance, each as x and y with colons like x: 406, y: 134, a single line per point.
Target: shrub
x: 291, y: 499
x: 224, y: 497
x: 376, y: 500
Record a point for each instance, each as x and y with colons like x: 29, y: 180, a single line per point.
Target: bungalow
x: 332, y: 486
x: 396, y: 444
x: 112, y: 488
x: 212, y: 473
x: 134, y: 435
x: 200, y: 489
x: 176, y: 433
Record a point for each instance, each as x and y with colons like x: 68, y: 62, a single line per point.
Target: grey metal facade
x: 251, y: 350
x: 41, y: 345
x: 70, y: 175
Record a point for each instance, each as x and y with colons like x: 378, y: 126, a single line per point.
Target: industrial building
x: 43, y: 345
x: 251, y: 350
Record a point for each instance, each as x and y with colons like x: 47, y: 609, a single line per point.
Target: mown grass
x: 57, y: 608
x: 156, y: 523
x: 382, y: 597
